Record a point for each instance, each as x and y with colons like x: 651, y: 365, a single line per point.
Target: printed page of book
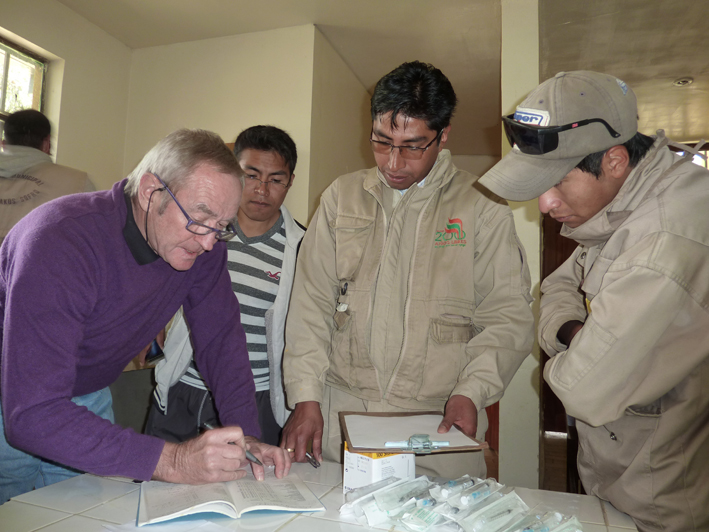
x: 289, y: 494
x: 161, y: 501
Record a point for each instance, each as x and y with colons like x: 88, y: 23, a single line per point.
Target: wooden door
x: 559, y: 444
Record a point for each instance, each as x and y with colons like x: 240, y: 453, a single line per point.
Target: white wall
x: 225, y: 85
x: 340, y: 122
x: 87, y: 83
x: 519, y: 408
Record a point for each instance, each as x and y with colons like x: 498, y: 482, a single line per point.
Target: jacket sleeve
x: 220, y: 350
x: 310, y: 321
x: 562, y: 301
x: 645, y: 333
x: 503, y: 319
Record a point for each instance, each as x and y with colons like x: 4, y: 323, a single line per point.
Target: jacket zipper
x: 372, y: 296
x: 408, y: 292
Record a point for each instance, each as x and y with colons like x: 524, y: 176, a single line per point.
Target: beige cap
x: 566, y: 98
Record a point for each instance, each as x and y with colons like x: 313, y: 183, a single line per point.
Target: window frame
x: 703, y: 151
x: 13, y: 48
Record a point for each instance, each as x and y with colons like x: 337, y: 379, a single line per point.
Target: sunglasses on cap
x: 537, y: 140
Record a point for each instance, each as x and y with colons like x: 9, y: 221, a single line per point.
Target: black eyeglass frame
x: 251, y: 179
x: 220, y: 234
x: 408, y: 150
x: 538, y: 140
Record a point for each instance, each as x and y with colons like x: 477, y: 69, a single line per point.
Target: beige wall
x: 519, y: 408
x: 87, y: 87
x: 226, y: 85
x: 475, y: 164
x: 290, y: 78
x: 109, y: 105
x: 340, y: 122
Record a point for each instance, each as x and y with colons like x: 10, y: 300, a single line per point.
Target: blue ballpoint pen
x: 249, y: 454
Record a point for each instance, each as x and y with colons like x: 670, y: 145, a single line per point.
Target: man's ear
x: 47, y: 145
x: 617, y: 162
x: 444, y: 137
x: 147, y: 184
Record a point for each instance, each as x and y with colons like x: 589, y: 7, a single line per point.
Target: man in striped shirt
x: 261, y: 262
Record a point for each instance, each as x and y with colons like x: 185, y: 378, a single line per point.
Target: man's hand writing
x: 215, y: 456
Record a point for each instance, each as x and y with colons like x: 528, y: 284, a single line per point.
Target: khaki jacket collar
x: 639, y: 186
x: 436, y: 178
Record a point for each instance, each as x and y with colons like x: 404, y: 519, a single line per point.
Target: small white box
x: 362, y: 469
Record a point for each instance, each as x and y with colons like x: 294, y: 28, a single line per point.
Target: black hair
x: 637, y: 147
x: 268, y: 138
x: 415, y: 90
x: 27, y: 128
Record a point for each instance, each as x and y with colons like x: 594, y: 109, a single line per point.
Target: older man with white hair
x: 86, y: 281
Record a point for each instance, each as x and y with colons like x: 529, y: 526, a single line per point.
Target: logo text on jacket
x: 452, y: 235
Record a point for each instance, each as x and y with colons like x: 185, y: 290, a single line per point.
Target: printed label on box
x: 362, y: 469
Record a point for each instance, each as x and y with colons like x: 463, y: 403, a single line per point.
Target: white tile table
x: 85, y: 503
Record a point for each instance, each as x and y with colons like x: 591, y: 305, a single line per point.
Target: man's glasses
x: 538, y: 140
x: 277, y: 183
x: 407, y: 152
x: 196, y: 227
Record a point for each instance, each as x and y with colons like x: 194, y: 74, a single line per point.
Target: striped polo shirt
x: 255, y: 269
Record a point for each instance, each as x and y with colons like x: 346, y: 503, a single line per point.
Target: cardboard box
x: 362, y: 469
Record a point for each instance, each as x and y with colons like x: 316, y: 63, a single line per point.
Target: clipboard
x: 370, y: 431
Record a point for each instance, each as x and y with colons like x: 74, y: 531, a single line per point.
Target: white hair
x: 176, y: 156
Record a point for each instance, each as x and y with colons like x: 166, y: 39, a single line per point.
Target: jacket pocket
x: 653, y: 409
x: 448, y: 337
x: 350, y: 365
x: 616, y: 461
x: 351, y: 238
x: 593, y: 278
x: 340, y: 357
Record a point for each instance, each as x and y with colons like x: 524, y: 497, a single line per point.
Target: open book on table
x: 162, y: 501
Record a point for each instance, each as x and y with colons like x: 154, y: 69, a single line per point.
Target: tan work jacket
x: 636, y: 377
x: 31, y: 187
x: 410, y: 301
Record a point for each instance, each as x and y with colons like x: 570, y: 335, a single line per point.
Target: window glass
x: 700, y: 159
x: 21, y: 79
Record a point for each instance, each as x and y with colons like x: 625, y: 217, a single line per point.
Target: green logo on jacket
x: 452, y: 235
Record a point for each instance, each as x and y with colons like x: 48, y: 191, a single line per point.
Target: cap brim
x: 520, y: 177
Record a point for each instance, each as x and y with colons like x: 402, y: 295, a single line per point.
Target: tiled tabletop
x: 85, y: 503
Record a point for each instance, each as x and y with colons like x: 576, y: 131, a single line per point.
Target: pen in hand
x: 249, y: 454
x: 313, y: 461
x: 309, y: 457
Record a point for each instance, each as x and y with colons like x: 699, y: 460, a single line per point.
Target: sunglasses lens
x: 530, y: 141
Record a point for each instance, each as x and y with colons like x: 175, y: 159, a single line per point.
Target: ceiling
x: 647, y: 43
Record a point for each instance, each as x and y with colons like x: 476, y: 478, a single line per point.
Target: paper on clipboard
x: 370, y: 431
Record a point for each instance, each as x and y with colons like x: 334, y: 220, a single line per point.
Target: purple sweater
x: 81, y: 293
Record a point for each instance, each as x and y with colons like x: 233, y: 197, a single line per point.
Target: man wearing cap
x: 625, y: 318
x: 411, y: 291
